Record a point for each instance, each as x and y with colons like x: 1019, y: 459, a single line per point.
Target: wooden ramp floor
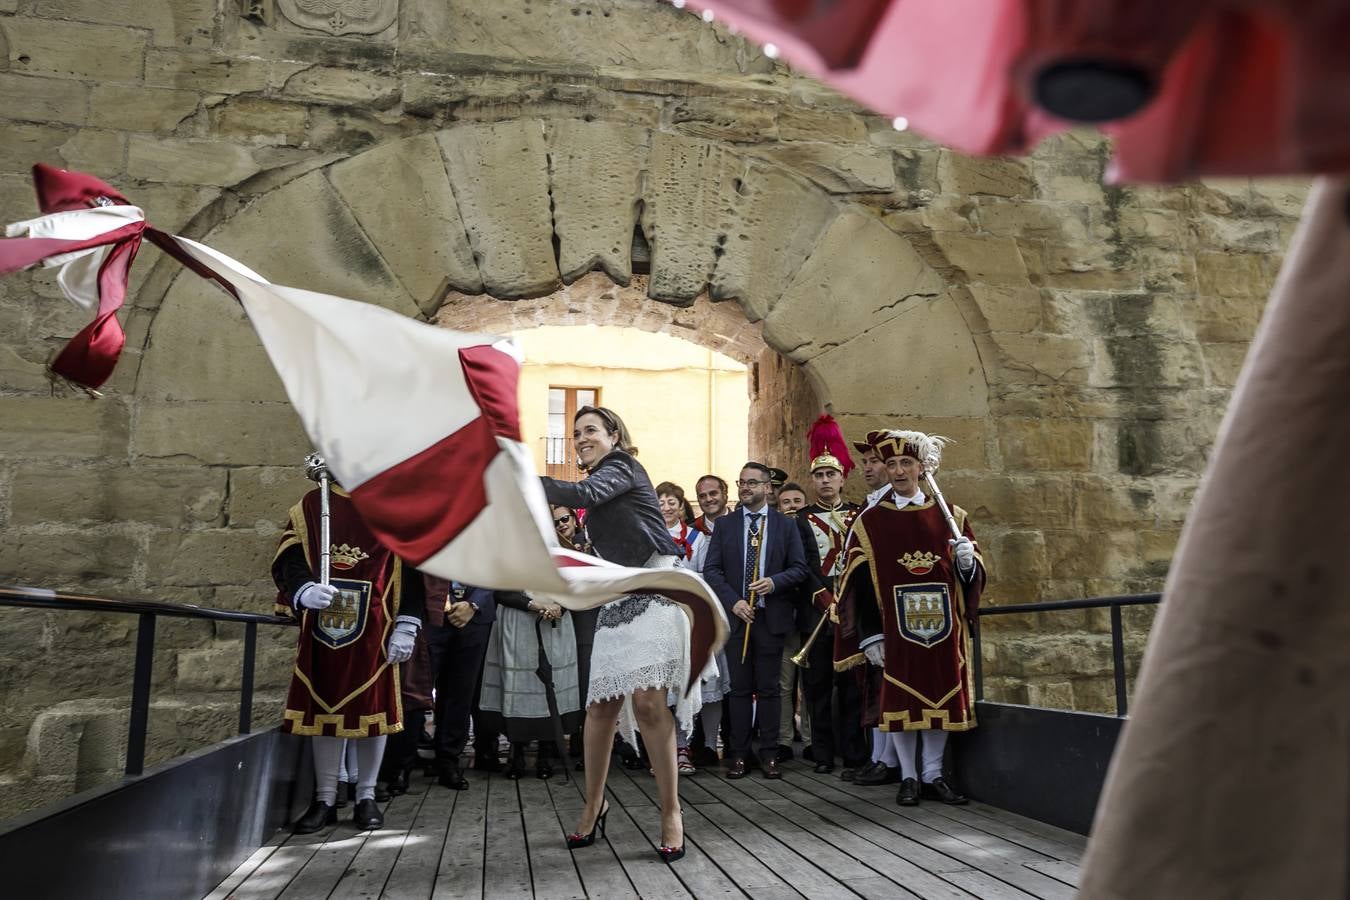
x: 806, y: 835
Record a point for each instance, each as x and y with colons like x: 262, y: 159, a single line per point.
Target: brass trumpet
x: 799, y: 658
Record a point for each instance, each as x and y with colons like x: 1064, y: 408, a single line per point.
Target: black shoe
x: 943, y: 791
x: 670, y: 854
x: 878, y: 774
x: 382, y: 794
x: 367, y: 815
x: 908, y: 795
x: 785, y: 753
x: 809, y: 753
x: 737, y: 769
x: 705, y: 758
x: 486, y: 763
x: 849, y: 773
x: 398, y: 785
x: 543, y: 768
x: 577, y: 839
x: 824, y: 768
x: 452, y: 778
x: 319, y: 815
x: 515, y: 766
x: 344, y: 791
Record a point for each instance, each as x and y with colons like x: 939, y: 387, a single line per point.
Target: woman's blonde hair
x: 613, y: 424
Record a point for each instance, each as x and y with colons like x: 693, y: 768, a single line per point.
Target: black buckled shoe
x: 908, y: 794
x: 319, y: 815
x: 367, y: 815
x: 944, y: 792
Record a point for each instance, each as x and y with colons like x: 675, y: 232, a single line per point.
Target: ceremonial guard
x: 828, y: 521
x: 909, y: 593
x: 355, y: 627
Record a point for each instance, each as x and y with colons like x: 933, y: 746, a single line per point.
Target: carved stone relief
x: 341, y: 16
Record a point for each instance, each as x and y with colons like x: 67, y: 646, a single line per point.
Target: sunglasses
x: 562, y: 520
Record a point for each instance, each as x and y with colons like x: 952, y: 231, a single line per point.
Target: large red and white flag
x: 425, y: 435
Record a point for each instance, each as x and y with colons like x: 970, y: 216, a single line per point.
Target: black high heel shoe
x: 670, y: 854
x: 577, y: 839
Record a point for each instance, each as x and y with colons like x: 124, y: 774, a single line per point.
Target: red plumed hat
x: 825, y: 437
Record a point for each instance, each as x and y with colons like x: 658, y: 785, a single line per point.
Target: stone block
x: 1042, y: 501
x: 1154, y: 447
x: 722, y: 119
x: 345, y: 87
x: 1033, y: 219
x: 682, y: 226
x: 93, y: 150
x: 1232, y: 275
x: 1046, y: 444
x: 1280, y: 196
x: 996, y: 260
x: 1022, y: 552
x: 774, y: 224
x: 260, y: 120
x: 859, y: 275
x: 1147, y: 360
x: 1102, y: 502
x: 189, y: 161
x: 943, y: 373
x: 26, y: 144
x: 400, y: 195
x: 169, y: 207
x: 211, y: 557
x: 18, y: 373
x: 164, y: 496
x: 1228, y: 233
x: 37, y: 99
x: 139, y: 108
x: 595, y: 178
x: 801, y: 123
x: 173, y: 22
x: 1039, y: 358
x: 1050, y: 694
x: 71, y: 50
x: 221, y: 432
x: 215, y: 668
x: 838, y: 168
x: 261, y: 497
x: 73, y: 427
x: 1015, y: 309
x: 971, y: 176
x: 1223, y: 362
x: 206, y: 71
x: 67, y: 560
x: 499, y: 173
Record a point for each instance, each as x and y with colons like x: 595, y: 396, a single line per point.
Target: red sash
x: 342, y: 684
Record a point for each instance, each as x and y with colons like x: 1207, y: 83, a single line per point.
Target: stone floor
x: 807, y: 835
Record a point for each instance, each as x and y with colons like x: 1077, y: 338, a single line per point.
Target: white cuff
x: 415, y: 622
x: 867, y: 642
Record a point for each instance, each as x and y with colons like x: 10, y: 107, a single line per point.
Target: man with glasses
x: 753, y: 563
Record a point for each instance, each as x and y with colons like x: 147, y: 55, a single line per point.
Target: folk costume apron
x: 342, y: 684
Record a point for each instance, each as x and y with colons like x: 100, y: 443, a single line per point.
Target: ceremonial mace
x: 317, y: 470
x: 942, y: 505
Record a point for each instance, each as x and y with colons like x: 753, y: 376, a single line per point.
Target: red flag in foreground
x: 424, y: 435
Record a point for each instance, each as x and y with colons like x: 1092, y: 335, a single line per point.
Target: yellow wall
x: 686, y: 407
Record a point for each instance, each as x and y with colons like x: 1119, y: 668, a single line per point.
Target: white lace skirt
x: 642, y: 641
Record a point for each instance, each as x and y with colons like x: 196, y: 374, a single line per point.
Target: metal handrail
x: 1117, y: 633
x: 148, y: 611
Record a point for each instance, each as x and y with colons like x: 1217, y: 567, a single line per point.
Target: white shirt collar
x: 902, y: 502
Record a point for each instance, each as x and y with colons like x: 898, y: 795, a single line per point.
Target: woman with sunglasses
x: 641, y: 647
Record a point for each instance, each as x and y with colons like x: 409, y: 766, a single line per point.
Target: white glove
x: 313, y: 595
x: 401, y: 641
x: 876, y: 653
x: 964, y: 551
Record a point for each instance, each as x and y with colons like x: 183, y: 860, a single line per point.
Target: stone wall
x: 470, y: 164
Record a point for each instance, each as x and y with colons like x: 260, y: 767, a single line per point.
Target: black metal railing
x: 148, y: 611
x: 1115, y: 604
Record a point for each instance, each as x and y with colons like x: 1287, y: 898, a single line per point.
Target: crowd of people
x: 849, y: 634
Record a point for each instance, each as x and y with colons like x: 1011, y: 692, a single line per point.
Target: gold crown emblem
x: 345, y: 556
x: 919, y: 563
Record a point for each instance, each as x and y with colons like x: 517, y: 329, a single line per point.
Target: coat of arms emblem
x: 341, y: 16
x: 924, y: 613
x: 342, y: 622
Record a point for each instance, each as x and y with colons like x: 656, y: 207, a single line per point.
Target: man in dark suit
x: 754, y: 562
x: 457, y: 651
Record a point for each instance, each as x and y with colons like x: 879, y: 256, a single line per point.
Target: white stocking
x: 369, y: 752
x: 934, y: 742
x: 906, y: 744
x: 327, y: 762
x: 887, y: 756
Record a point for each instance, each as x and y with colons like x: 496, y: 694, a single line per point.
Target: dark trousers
x: 854, y: 741
x: 457, y: 658
x: 400, y: 750
x: 818, y: 685
x: 757, y: 677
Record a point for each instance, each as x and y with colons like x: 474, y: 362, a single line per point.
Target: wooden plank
x: 987, y: 887
x: 877, y: 887
x: 1059, y: 836
x: 699, y: 874
x: 414, y: 878
x: 506, y: 868
x: 225, y: 889
x: 781, y: 858
x: 460, y: 873
x: 896, y: 858
x: 271, y: 878
x: 636, y: 852
x: 601, y: 873
x: 323, y: 871
x: 1064, y: 871
x: 552, y: 871
x: 1015, y: 833
x: 694, y: 789
x: 370, y: 869
x: 1008, y: 870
